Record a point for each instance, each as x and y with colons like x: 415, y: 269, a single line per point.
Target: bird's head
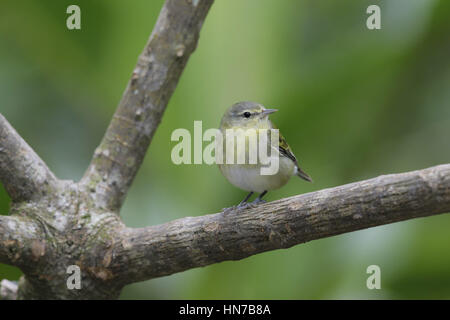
x: 246, y: 115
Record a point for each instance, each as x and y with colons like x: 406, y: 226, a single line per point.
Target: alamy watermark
x: 73, y: 21
x: 373, y: 22
x: 230, y: 146
x: 374, y: 280
x: 74, y: 280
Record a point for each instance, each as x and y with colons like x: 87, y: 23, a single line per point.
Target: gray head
x: 245, y: 114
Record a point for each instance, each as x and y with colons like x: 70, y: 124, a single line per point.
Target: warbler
x: 251, y: 115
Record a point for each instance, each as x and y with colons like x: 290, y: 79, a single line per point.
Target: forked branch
x: 77, y: 224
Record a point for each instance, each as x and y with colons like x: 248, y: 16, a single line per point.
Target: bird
x: 251, y: 115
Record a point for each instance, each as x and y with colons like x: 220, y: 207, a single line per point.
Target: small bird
x: 251, y: 115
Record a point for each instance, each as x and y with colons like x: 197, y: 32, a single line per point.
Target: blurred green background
x: 353, y: 103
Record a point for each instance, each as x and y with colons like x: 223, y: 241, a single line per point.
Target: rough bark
x: 54, y: 224
x: 199, y: 241
x: 18, y: 235
x: 23, y: 174
x: 77, y: 223
x: 8, y: 290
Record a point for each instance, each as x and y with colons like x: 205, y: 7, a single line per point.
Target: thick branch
x: 8, y: 290
x: 154, y: 79
x: 23, y: 174
x: 199, y: 241
x: 19, y: 238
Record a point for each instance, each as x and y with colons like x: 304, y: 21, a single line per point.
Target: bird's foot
x: 228, y: 210
x: 239, y: 207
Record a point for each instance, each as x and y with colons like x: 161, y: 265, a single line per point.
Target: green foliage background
x: 353, y: 104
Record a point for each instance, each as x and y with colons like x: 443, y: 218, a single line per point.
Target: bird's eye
x: 247, y: 114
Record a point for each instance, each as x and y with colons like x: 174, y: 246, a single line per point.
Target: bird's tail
x: 302, y: 174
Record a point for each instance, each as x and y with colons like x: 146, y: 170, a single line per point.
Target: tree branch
x: 18, y: 239
x: 8, y: 290
x: 120, y: 154
x: 191, y: 242
x: 23, y: 174
x: 76, y: 223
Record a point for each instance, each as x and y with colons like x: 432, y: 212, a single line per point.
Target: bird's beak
x: 269, y: 111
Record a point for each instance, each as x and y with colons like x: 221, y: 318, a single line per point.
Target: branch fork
x: 54, y: 224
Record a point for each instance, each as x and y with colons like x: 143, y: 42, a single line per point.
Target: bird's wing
x: 286, y: 151
x: 283, y: 146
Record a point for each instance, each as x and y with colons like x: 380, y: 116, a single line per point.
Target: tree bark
x: 8, y: 290
x: 23, y: 174
x: 55, y: 224
x: 77, y: 222
x: 199, y: 241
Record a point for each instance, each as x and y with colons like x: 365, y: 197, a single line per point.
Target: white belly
x: 249, y: 177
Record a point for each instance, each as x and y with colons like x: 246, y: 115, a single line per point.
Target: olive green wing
x: 286, y: 151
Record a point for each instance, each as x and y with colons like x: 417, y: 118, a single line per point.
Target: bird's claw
x: 244, y: 205
x: 228, y: 210
x: 241, y: 206
x: 258, y: 201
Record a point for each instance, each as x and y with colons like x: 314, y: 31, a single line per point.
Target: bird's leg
x: 259, y: 199
x: 244, y: 202
x: 242, y: 205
